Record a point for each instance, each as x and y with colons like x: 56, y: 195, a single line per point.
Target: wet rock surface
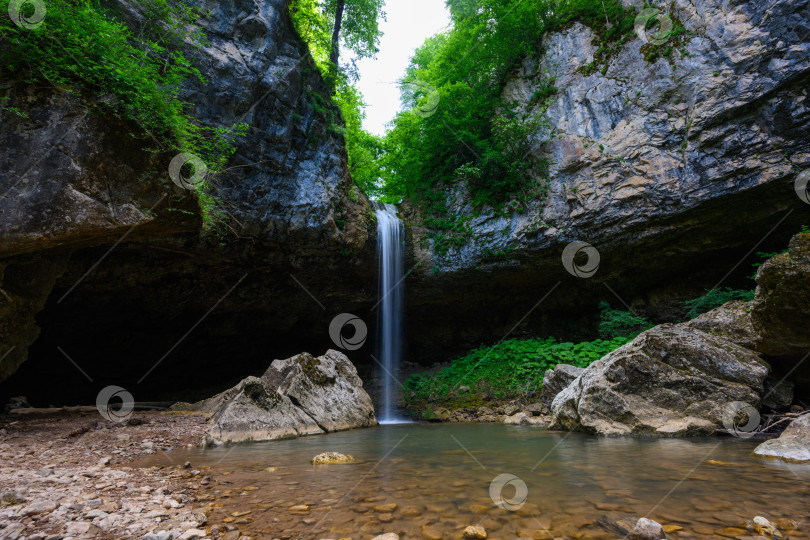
x: 297, y: 228
x: 792, y: 445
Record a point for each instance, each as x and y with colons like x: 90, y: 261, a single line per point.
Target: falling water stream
x: 390, y: 249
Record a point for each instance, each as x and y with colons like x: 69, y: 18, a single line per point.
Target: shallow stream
x: 440, y: 477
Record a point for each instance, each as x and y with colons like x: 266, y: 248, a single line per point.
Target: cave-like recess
x: 140, y: 301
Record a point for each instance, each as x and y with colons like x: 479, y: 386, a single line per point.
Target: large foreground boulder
x: 326, y: 388
x: 556, y: 380
x: 670, y: 380
x: 792, y: 445
x: 302, y: 395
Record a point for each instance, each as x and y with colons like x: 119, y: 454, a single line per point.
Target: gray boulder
x: 555, y: 380
x: 326, y: 388
x: 731, y: 321
x: 783, y: 300
x: 256, y: 412
x: 302, y: 395
x: 792, y: 445
x: 670, y: 380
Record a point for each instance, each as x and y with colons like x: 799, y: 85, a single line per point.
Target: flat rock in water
x: 792, y: 445
x: 327, y: 458
x: 476, y: 532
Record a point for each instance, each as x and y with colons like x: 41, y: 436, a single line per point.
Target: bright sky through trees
x: 409, y: 23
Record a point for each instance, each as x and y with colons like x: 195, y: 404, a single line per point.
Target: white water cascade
x: 391, y: 254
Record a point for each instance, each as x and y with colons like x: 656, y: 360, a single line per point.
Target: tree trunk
x: 335, y: 53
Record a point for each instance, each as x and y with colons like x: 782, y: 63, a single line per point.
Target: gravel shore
x: 69, y: 474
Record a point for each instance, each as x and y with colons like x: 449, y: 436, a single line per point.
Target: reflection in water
x: 439, y: 478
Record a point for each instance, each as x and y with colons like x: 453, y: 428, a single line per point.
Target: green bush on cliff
x: 512, y: 368
x: 715, y: 298
x: 615, y: 322
x: 83, y: 47
x: 474, y: 135
x: 363, y: 149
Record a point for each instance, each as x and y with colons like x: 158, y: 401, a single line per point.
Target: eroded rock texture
x: 690, y: 378
x: 556, y: 380
x: 302, y: 395
x: 109, y: 255
x: 672, y: 169
x: 670, y: 380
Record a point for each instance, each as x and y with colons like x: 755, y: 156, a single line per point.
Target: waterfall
x: 391, y: 254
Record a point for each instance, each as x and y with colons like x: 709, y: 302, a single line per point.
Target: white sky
x: 409, y: 23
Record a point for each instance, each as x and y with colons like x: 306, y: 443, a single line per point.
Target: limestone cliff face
x: 75, y: 183
x: 671, y: 169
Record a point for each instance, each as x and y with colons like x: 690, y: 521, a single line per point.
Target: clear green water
x: 439, y: 476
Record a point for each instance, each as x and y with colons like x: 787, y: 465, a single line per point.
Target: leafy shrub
x: 509, y: 369
x: 715, y: 298
x: 614, y: 322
